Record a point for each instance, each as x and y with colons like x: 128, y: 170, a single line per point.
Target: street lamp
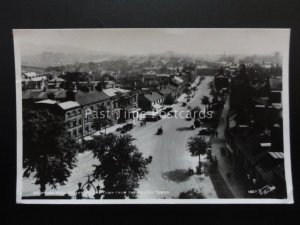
x: 88, y: 185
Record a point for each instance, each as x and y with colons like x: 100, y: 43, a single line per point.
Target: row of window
x: 74, y: 123
x: 78, y: 132
x: 99, y: 105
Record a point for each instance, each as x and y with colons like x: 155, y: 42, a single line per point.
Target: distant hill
x: 85, y: 62
x: 50, y: 59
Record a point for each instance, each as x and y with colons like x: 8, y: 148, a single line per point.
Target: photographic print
x: 142, y: 116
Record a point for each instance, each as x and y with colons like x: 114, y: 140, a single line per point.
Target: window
x: 68, y: 114
x: 74, y: 133
x: 74, y: 123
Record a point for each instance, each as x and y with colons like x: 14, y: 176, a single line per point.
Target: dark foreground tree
x: 169, y: 100
x: 191, y: 194
x: 197, y: 146
x: 49, y: 153
x: 121, y: 165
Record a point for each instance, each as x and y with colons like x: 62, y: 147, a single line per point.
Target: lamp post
x: 87, y: 186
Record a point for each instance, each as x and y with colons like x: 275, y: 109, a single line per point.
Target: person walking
x: 216, y: 134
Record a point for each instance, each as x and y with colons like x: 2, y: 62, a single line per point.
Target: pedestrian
x: 216, y: 134
x: 222, y: 119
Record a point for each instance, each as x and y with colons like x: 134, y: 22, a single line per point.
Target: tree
x: 99, y: 86
x: 197, y: 146
x: 169, y: 99
x: 102, y: 119
x: 194, y: 88
x: 205, y: 101
x: 49, y: 153
x: 191, y: 194
x: 121, y: 165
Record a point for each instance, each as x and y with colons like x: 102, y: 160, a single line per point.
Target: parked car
x: 166, y: 110
x: 152, y: 118
x: 206, y: 131
x: 188, y: 118
x: 125, y: 128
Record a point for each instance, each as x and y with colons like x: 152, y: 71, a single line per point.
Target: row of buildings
x: 73, y: 102
x: 254, y: 130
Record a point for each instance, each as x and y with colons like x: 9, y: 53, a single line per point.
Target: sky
x: 153, y: 41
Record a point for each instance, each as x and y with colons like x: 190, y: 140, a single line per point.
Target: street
x: 171, y: 160
x: 168, y: 170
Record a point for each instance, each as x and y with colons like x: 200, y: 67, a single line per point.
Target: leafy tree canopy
x: 49, y: 153
x: 121, y: 165
x: 169, y: 99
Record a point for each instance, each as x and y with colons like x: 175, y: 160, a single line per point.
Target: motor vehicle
x: 152, y: 116
x: 166, y: 110
x: 188, y: 118
x: 206, y: 131
x: 128, y: 126
x: 125, y: 128
x: 183, y: 104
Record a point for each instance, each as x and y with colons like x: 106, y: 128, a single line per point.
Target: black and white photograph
x: 153, y: 115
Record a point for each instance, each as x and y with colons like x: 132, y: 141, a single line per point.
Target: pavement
x: 227, y: 183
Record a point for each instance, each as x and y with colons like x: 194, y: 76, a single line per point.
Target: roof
x: 165, y: 91
x: 47, y: 101
x: 202, y: 67
x: 68, y: 105
x: 85, y: 98
x: 60, y: 94
x: 34, y: 95
x: 154, y: 96
x: 57, y: 79
x: 171, y: 87
x: 30, y: 74
x: 114, y: 91
x: 177, y: 80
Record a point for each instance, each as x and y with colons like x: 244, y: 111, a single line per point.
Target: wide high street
x: 167, y: 176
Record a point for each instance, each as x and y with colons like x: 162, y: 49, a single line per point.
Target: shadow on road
x: 219, y: 184
x: 183, y: 128
x: 176, y: 175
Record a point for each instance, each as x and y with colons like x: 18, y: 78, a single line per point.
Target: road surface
x: 168, y: 170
